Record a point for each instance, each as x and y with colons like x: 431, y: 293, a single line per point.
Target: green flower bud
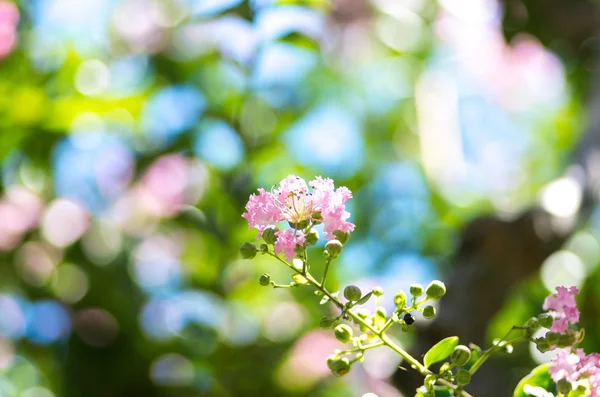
x: 326, y: 322
x: 352, y: 292
x: 552, y: 337
x: 334, y: 248
x: 378, y: 291
x: 564, y: 387
x: 542, y: 345
x: 429, y: 381
x: 300, y: 225
x: 461, y: 355
x: 531, y: 325
x: 566, y: 340
x: 435, y: 290
x: 381, y: 312
x: 400, y: 299
x: 340, y: 367
x: 248, y: 250
x: 342, y: 237
x: 312, y: 237
x: 269, y: 235
x: 429, y: 311
x: 331, y: 359
x: 416, y: 290
x: 343, y: 333
x: 316, y: 216
x: 545, y: 320
x: 264, y: 248
x: 463, y: 377
x: 265, y: 280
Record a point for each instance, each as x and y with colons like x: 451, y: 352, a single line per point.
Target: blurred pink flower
x: 9, y: 17
x: 575, y: 365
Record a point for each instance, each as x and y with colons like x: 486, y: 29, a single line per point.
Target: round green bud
x: 334, y: 248
x: 400, y: 299
x: 264, y: 248
x: 331, y: 359
x: 564, y: 387
x: 461, y: 355
x: 265, y: 280
x: 343, y: 333
x: 326, y: 322
x: 378, y: 291
x: 463, y: 377
x: 269, y: 235
x: 435, y: 290
x: 340, y: 367
x: 352, y: 293
x: 429, y: 311
x: 566, y: 340
x: 381, y: 312
x: 531, y: 325
x: 248, y: 250
x: 545, y: 320
x: 312, y: 237
x: 542, y: 345
x: 300, y: 225
x: 316, y: 217
x: 416, y: 290
x: 342, y: 237
x: 552, y: 337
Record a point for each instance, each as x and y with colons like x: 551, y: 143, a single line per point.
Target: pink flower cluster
x: 9, y: 17
x: 293, y: 202
x: 576, y: 365
x: 563, y: 308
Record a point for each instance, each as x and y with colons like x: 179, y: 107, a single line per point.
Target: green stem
x: 385, y: 340
x: 362, y: 348
x: 327, y: 263
x: 493, y: 349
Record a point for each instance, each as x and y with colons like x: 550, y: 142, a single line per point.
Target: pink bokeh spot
x: 9, y: 17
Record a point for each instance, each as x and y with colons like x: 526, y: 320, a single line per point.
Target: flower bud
x: 400, y: 299
x: 300, y: 225
x: 552, y: 337
x: 342, y: 237
x: 429, y: 311
x: 333, y: 248
x: 463, y: 377
x: 316, y: 216
x: 269, y: 235
x: 416, y: 290
x: 542, y: 345
x: 340, y: 367
x: 566, y: 340
x: 531, y: 325
x: 352, y: 292
x: 461, y: 355
x: 331, y: 359
x: 326, y: 322
x: 264, y: 280
x: 378, y: 291
x: 248, y: 250
x: 435, y: 290
x: 343, y: 333
x: 264, y: 248
x: 545, y: 320
x: 381, y: 312
x: 312, y: 237
x: 564, y: 387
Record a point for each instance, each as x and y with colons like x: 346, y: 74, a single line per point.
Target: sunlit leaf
x: 440, y: 351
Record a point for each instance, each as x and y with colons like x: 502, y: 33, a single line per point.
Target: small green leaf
x: 299, y: 279
x: 538, y: 378
x: 440, y: 351
x: 324, y: 300
x: 364, y: 299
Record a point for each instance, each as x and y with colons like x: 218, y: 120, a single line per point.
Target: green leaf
x: 364, y: 299
x: 538, y: 378
x: 440, y: 351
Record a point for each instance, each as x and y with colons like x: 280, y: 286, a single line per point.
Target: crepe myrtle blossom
x: 574, y: 366
x: 563, y: 308
x: 294, y: 202
x: 9, y: 17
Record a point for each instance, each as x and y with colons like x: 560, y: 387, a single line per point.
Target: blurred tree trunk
x: 494, y: 254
